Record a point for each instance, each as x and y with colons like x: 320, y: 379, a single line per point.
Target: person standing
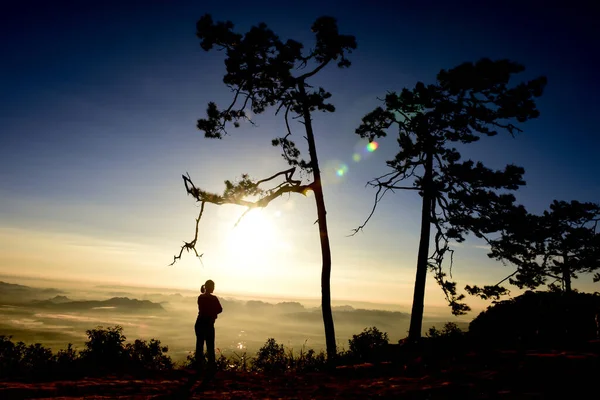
x: 208, y: 309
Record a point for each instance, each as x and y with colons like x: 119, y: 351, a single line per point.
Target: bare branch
x: 378, y: 197
x: 403, y: 187
x: 288, y: 177
x: 242, y: 216
x: 187, y: 246
x: 313, y: 72
x: 508, y: 277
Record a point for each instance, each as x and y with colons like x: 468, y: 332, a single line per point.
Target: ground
x: 498, y: 375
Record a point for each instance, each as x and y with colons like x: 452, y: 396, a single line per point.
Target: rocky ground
x: 497, y: 375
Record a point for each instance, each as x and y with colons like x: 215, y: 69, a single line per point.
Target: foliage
x: 560, y: 244
x: 470, y: 101
x: 368, y: 344
x: 105, y: 348
x: 270, y: 357
x: 307, y: 360
x: 11, y: 355
x: 105, y: 351
x: 37, y: 360
x: 449, y: 331
x: 33, y: 361
x: 68, y: 362
x: 538, y: 319
x: 148, y: 355
x: 260, y: 73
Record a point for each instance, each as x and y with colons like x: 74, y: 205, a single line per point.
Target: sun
x: 254, y: 235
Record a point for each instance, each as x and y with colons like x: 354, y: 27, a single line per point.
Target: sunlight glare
x: 253, y: 236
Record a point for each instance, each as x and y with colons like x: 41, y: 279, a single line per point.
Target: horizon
x: 63, y: 315
x: 62, y: 284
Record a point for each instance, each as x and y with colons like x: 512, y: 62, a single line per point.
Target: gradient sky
x: 98, y: 109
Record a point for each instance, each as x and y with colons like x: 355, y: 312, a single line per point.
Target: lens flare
x: 334, y: 172
x: 371, y: 147
x: 363, y: 150
x: 342, y: 170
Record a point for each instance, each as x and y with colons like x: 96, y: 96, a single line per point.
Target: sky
x: 98, y: 113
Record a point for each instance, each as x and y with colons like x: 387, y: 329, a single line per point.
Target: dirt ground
x: 502, y: 375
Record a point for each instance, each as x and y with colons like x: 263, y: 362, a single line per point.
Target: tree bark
x: 416, y: 316
x: 322, y: 222
x: 566, y: 273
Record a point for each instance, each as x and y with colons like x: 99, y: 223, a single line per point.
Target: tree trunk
x: 322, y: 222
x: 566, y: 274
x: 416, y: 316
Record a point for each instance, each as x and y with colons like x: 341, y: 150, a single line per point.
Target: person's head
x: 208, y: 287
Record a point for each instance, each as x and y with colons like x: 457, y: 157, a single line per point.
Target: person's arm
x: 218, y: 308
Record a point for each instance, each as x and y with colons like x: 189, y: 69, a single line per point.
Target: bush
x: 37, y: 361
x: 10, y: 356
x: 18, y: 359
x: 68, y: 362
x: 271, y: 357
x: 369, y: 345
x: 104, y: 349
x: 148, y: 355
x: 306, y: 361
x: 234, y: 363
x: 449, y: 331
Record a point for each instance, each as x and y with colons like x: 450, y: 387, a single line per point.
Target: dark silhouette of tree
x: 559, y: 245
x: 537, y: 319
x: 260, y: 75
x: 467, y: 102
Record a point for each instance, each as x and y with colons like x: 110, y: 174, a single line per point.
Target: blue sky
x: 98, y: 109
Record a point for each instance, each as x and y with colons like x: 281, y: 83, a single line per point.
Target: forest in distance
x: 56, y: 316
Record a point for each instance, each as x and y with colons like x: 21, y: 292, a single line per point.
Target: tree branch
x: 187, y: 246
x: 313, y: 72
x: 289, y: 186
x: 378, y: 197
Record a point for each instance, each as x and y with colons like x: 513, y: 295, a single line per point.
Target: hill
x: 119, y: 304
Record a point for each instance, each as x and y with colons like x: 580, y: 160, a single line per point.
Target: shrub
x: 20, y: 360
x: 148, y: 355
x: 310, y: 361
x: 10, y: 356
x: 67, y: 361
x: 368, y: 345
x: 449, y: 331
x: 271, y: 357
x: 104, y: 349
x: 37, y: 361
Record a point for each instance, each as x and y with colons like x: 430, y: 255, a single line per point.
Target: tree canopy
x: 554, y: 247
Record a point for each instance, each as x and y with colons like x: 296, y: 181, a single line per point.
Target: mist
x: 58, y: 315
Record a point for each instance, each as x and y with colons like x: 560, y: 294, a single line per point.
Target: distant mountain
x: 56, y: 300
x: 13, y: 293
x: 342, y: 308
x: 349, y: 315
x: 166, y: 298
x: 283, y: 307
x: 119, y: 304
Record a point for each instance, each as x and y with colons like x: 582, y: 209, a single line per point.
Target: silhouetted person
x: 208, y: 309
